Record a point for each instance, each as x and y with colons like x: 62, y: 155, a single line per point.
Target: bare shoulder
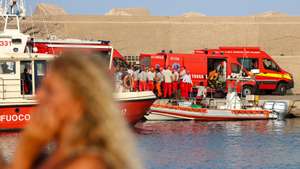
x: 89, y: 161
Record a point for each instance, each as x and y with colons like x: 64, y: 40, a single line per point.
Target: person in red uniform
x: 187, y: 84
x: 150, y: 78
x: 168, y: 82
x: 135, y: 77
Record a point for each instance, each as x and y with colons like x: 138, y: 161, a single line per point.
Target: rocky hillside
x: 128, y: 12
x: 48, y: 10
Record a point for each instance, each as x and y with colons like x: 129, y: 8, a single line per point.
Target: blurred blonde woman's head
x: 82, y: 83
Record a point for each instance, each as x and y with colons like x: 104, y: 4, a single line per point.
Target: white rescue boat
x: 232, y: 110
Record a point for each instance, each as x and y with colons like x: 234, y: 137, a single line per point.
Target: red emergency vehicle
x: 248, y: 69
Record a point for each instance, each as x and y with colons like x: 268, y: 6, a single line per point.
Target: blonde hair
x: 101, y: 127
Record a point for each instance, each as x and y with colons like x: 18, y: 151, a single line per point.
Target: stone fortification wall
x: 135, y: 34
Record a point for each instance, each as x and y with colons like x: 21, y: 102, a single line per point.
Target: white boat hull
x: 182, y: 113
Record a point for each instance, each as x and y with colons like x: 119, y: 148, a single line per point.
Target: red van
x: 248, y: 69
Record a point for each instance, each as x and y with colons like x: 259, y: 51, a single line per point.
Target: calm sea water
x: 221, y: 145
x: 211, y: 145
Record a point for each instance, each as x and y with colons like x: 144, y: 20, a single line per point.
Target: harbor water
x: 221, y: 145
x: 209, y: 145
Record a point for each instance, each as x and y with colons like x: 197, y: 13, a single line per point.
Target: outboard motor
x: 278, y: 107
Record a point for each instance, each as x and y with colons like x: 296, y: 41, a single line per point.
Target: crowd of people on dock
x: 167, y: 82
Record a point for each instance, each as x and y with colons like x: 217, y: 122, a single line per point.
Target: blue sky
x: 177, y: 7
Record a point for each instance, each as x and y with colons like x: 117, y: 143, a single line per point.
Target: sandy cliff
x: 271, y: 14
x: 193, y: 14
x: 48, y: 9
x: 128, y: 12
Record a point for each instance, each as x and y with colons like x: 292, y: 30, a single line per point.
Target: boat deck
x: 18, y: 102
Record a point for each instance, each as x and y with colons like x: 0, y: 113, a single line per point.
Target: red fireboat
x: 19, y: 51
x: 133, y: 105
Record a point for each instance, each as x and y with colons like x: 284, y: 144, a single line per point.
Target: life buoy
x: 128, y: 82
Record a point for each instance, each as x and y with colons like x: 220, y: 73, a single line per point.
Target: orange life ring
x: 127, y: 82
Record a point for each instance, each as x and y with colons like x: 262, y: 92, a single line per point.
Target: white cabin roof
x: 14, y: 33
x: 73, y: 41
x: 26, y: 56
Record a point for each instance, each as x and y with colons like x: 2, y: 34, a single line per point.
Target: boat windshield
x: 105, y: 56
x: 7, y: 67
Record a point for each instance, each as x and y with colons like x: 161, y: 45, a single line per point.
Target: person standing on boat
x: 130, y: 72
x: 118, y: 79
x: 168, y: 82
x: 158, y: 81
x: 150, y: 79
x: 26, y: 79
x: 13, y: 9
x: 142, y: 80
x: 175, y: 79
x: 187, y: 84
x: 181, y: 75
x: 135, y: 79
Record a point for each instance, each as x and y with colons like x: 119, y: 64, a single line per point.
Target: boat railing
x: 11, y: 89
x: 3, y: 95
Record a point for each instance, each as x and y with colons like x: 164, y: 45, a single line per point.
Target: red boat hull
x: 16, y: 117
x: 134, y: 111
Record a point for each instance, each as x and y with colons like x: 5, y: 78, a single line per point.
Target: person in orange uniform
x: 158, y: 79
x: 143, y: 80
x: 175, y: 79
x: 168, y: 82
x: 187, y: 84
x: 150, y: 78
